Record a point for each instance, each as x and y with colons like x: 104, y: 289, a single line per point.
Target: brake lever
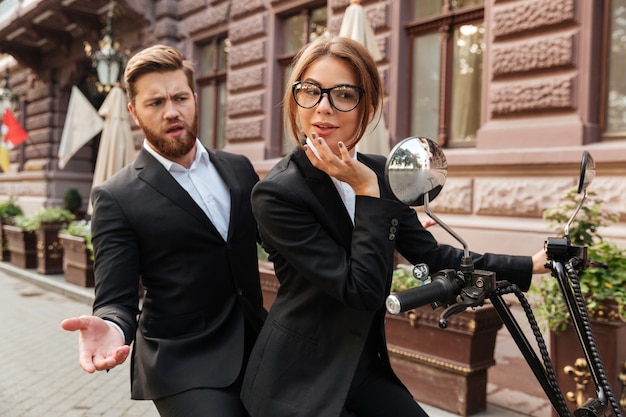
x: 470, y: 297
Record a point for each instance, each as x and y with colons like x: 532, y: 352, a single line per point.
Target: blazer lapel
x: 230, y: 179
x: 332, y: 207
x: 155, y: 174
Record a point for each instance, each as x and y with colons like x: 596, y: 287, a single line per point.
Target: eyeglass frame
x: 327, y: 92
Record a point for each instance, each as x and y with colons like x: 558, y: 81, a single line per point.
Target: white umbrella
x: 116, y: 148
x: 82, y: 123
x: 356, y: 26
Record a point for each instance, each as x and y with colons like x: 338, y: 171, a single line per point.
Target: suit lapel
x: 230, y: 179
x: 155, y: 174
x: 332, y: 209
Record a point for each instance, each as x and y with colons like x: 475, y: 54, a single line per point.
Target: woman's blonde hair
x: 358, y: 58
x: 156, y: 58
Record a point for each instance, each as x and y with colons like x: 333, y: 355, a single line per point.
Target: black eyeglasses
x: 342, y: 97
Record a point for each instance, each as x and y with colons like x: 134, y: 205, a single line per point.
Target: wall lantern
x: 108, y: 59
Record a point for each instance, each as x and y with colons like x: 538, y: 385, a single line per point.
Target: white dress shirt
x: 204, y: 185
x: 347, y: 194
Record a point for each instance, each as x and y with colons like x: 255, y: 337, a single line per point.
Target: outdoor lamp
x: 8, y: 100
x: 108, y: 59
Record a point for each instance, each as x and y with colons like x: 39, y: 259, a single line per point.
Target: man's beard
x: 172, y: 147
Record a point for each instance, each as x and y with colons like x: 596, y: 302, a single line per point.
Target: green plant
x: 403, y: 279
x: 80, y: 228
x: 599, y: 285
x: 43, y: 215
x: 72, y: 200
x: 8, y: 210
x: 261, y: 254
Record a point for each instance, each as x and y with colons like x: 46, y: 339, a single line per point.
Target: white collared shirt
x: 204, y: 185
x: 347, y: 194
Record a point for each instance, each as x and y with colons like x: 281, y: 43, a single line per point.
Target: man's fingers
x: 75, y: 323
x: 85, y: 361
x: 109, y: 362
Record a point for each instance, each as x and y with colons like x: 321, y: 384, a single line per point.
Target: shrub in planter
x: 22, y: 241
x: 8, y: 211
x: 78, y: 253
x: 598, y: 284
x: 73, y: 202
x: 46, y: 223
x: 604, y: 291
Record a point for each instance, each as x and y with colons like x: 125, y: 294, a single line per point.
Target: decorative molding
x: 542, y: 95
x: 251, y: 104
x: 244, y: 130
x: 455, y: 198
x: 251, y: 27
x: 517, y: 197
x: 544, y: 53
x: 526, y: 16
x: 246, y: 53
x: 245, y: 79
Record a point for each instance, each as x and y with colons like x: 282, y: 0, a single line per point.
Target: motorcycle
x: 416, y: 171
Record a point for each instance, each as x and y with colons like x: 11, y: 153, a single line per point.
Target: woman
x: 330, y: 226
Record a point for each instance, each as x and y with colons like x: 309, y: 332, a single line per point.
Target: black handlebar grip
x: 444, y: 286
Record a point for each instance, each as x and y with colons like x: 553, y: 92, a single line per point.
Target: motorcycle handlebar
x: 445, y: 285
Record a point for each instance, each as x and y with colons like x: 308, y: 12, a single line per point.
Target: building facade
x: 514, y: 90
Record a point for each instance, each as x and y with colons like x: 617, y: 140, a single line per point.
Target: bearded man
x: 178, y: 219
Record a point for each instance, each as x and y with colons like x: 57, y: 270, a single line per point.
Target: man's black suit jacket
x: 199, y: 288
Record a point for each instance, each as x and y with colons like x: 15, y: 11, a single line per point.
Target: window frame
x: 285, y: 59
x: 217, y: 78
x: 444, y: 23
x: 603, y: 107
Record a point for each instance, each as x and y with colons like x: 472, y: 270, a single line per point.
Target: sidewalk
x: 39, y: 372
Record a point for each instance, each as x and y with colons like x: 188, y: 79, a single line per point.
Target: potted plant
x: 73, y: 202
x: 77, y: 253
x: 49, y: 221
x: 22, y: 241
x: 42, y: 227
x: 8, y: 211
x: 604, y: 290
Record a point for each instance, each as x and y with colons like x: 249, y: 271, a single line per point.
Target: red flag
x: 13, y: 132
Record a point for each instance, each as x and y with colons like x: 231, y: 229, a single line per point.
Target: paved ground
x: 40, y: 376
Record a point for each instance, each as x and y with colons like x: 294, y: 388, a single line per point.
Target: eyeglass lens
x: 341, y: 97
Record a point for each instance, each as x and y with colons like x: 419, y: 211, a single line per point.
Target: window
x: 447, y: 44
x: 615, y: 101
x: 212, y: 92
x: 296, y: 31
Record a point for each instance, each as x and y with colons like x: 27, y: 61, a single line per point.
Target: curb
x: 53, y: 282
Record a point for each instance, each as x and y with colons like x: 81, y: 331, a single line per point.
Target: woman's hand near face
x: 344, y: 168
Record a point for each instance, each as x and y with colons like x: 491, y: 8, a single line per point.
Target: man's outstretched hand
x: 100, y: 345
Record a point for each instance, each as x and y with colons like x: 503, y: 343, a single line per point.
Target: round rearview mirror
x: 416, y: 167
x: 587, y: 172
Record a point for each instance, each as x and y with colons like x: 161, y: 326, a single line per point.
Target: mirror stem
x: 445, y: 227
x: 569, y: 223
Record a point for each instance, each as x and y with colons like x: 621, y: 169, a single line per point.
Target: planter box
x: 565, y: 349
x: 49, y: 250
x: 446, y: 368
x: 5, y: 253
x: 22, y: 245
x: 434, y: 362
x: 77, y: 265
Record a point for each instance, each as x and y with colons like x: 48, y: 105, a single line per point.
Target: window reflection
x: 425, y: 93
x: 469, y: 45
x: 616, y: 97
x: 298, y: 30
x: 446, y: 72
x: 213, y: 63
